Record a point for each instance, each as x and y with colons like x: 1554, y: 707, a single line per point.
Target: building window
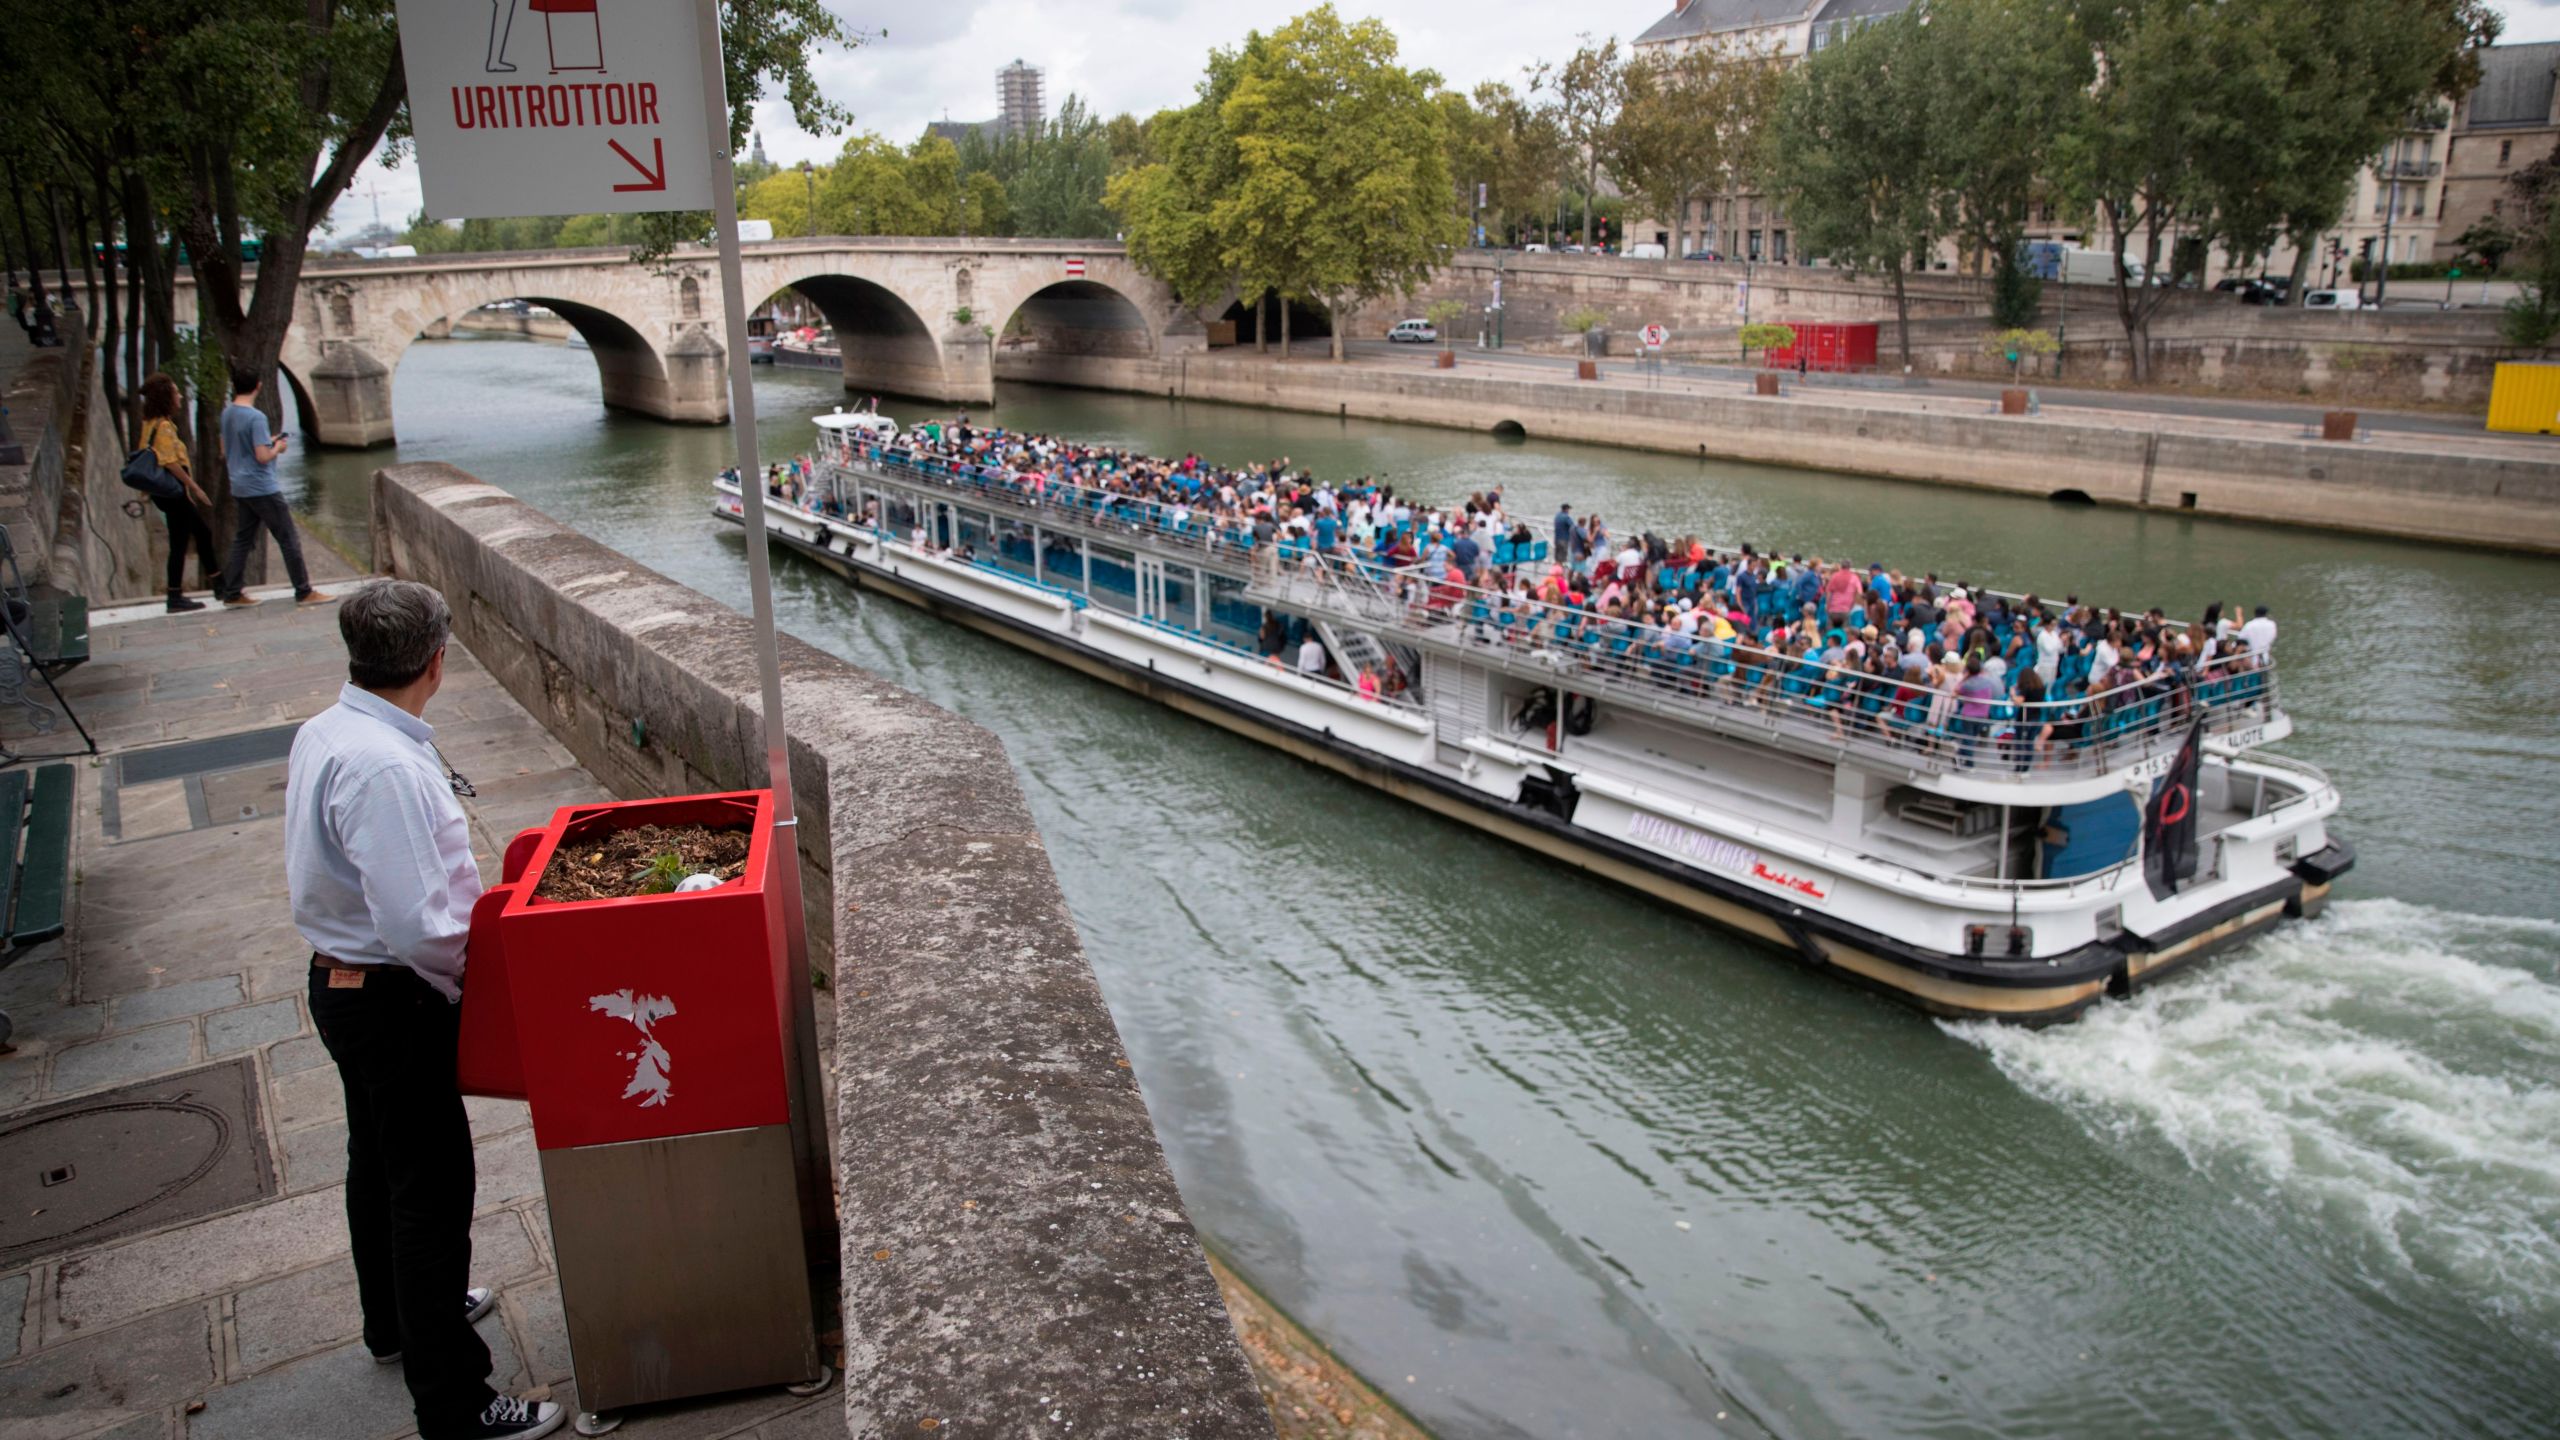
x: 1754, y: 252
x: 2506, y: 151
x: 1778, y: 246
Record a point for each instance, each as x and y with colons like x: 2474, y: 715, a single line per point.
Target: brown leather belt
x: 331, y: 962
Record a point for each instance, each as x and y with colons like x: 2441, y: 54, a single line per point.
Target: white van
x: 1413, y: 332
x: 2334, y: 300
x: 2097, y: 267
x: 1647, y: 252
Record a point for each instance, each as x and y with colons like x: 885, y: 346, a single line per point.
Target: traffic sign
x: 1655, y: 337
x: 556, y: 107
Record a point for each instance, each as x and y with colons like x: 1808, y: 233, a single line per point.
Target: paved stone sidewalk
x: 181, y: 959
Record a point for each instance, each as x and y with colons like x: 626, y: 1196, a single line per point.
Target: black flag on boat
x: 2169, y: 822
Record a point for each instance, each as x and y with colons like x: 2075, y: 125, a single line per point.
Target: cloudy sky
x: 938, y: 61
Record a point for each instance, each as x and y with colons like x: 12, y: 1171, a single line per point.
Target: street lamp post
x: 809, y: 176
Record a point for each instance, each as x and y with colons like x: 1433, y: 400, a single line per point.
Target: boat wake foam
x: 2387, y: 1071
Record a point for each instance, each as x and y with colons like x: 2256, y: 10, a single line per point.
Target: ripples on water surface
x: 1585, y: 1168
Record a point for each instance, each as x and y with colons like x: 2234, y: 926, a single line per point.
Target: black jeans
x: 187, y: 530
x: 409, y: 1184
x: 270, y: 512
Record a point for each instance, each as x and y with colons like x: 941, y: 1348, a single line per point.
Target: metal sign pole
x: 817, y: 1177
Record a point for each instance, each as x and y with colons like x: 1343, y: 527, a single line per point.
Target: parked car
x: 1646, y: 252
x: 2098, y: 267
x: 1534, y: 248
x: 2334, y: 300
x: 1702, y: 255
x: 1413, y: 332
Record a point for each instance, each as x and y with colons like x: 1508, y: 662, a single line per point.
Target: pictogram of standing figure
x: 502, y: 22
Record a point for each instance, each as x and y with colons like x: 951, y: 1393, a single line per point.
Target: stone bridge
x: 914, y: 317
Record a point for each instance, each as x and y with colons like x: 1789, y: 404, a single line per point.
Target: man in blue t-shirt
x: 250, y: 454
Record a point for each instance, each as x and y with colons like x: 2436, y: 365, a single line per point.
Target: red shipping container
x: 1831, y: 348
x: 631, y: 1019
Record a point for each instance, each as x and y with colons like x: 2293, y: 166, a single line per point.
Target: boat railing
x: 1730, y: 685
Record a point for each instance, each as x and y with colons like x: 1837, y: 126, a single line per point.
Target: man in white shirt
x: 1311, y: 657
x: 377, y: 858
x: 2260, y: 633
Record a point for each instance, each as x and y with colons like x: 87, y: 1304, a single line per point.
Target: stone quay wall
x: 2401, y: 489
x: 1013, y: 1242
x: 65, y: 507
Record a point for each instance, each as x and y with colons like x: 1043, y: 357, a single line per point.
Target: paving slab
x: 491, y: 1116
x: 309, y: 1097
x: 13, y: 1310
x: 336, y: 1393
x: 316, y: 1309
x: 509, y: 1169
x: 169, y: 1002
x: 159, y: 808
x: 121, y: 1059
x: 298, y: 1054
x: 37, y: 975
x: 191, y: 906
x: 198, y: 1261
x: 315, y: 1156
x: 98, y: 1380
x: 227, y: 1032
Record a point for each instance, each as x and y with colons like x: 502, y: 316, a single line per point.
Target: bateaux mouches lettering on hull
x: 556, y: 107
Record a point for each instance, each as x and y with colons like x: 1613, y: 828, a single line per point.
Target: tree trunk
x: 1902, y: 318
x: 1590, y: 188
x: 1262, y: 323
x: 2302, y: 244
x: 1333, y: 317
x: 1284, y: 327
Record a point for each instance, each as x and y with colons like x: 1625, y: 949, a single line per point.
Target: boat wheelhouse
x: 1979, y: 869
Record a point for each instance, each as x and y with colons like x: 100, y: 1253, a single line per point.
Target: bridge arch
x: 1077, y: 318
x: 885, y: 345
x: 350, y: 334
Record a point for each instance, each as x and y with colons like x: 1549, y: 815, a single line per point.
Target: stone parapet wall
x: 2506, y: 501
x: 1684, y: 295
x: 1013, y: 1242
x: 65, y: 508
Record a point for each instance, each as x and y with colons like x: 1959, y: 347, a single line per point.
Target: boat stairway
x: 1355, y: 650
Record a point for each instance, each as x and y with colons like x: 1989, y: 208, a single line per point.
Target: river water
x: 1540, y: 1159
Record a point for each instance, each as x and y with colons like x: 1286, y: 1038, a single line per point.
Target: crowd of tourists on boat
x: 1912, y: 657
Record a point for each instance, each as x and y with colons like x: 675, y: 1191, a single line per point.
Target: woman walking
x: 186, y: 520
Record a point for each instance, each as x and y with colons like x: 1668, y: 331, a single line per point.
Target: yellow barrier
x: 2525, y: 398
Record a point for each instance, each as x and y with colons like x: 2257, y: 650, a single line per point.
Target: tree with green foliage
x: 1855, y: 149
x: 2488, y: 240
x: 1166, y: 205
x: 2532, y: 318
x: 219, y: 125
x: 1763, y: 337
x: 1343, y: 192
x: 1582, y: 97
x: 1689, y: 126
x: 2232, y: 123
x: 1057, y: 181
x: 2014, y: 71
x: 1523, y: 155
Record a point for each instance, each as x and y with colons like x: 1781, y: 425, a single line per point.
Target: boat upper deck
x: 1740, y: 687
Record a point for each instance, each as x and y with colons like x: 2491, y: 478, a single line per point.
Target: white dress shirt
x: 377, y: 854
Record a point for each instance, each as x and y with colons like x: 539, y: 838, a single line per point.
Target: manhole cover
x: 78, y: 1174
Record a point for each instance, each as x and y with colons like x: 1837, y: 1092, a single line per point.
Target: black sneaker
x: 509, y: 1418
x: 179, y: 604
x: 475, y: 1303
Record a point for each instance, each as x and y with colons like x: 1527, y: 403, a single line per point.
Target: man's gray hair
x: 393, y: 629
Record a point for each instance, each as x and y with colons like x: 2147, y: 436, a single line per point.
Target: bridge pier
x: 958, y: 370
x: 350, y: 396
x: 695, y: 390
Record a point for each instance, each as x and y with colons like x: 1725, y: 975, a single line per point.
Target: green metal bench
x: 48, y: 634
x: 35, y: 867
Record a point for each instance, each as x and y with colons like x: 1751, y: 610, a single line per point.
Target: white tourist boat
x: 1975, y: 874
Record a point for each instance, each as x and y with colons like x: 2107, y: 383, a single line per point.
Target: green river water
x: 1540, y: 1159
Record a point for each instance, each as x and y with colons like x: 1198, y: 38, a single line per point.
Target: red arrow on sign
x: 650, y: 179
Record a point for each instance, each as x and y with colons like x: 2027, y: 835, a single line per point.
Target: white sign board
x: 1655, y: 337
x: 556, y: 107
